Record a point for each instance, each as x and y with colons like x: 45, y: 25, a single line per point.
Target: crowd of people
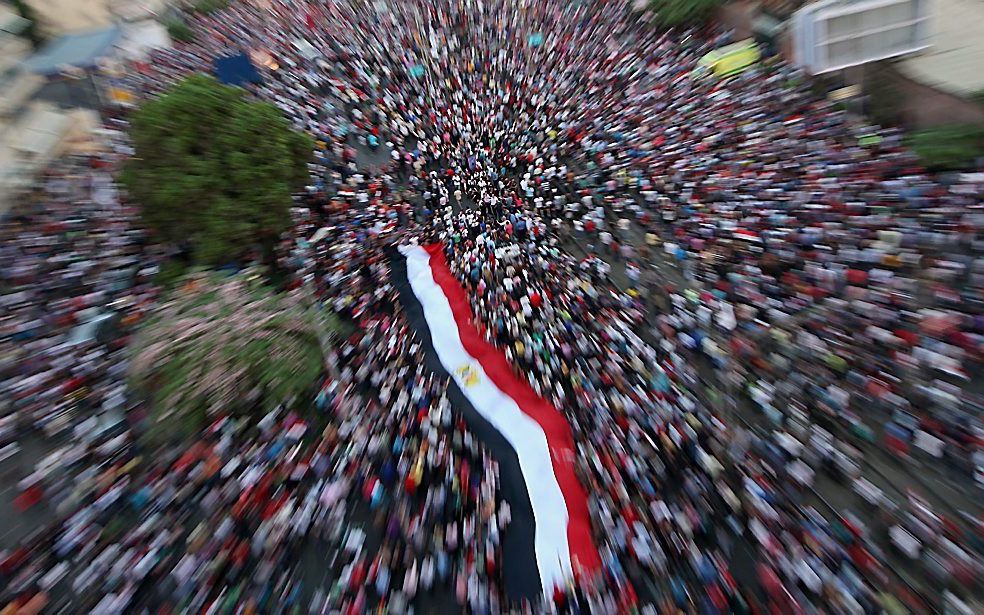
x: 77, y: 278
x: 386, y: 477
x: 662, y: 254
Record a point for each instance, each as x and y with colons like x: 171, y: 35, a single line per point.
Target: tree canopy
x: 179, y: 30
x: 948, y: 148
x: 210, y: 6
x: 672, y: 13
x: 214, y: 170
x: 226, y: 345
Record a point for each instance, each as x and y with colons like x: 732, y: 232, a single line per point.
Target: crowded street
x: 747, y: 345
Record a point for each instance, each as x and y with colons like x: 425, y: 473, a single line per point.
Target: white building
x: 831, y: 35
x: 32, y: 133
x: 955, y: 61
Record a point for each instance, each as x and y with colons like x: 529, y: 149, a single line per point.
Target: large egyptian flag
x: 549, y: 540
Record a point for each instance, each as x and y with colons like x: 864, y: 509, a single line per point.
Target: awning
x: 81, y: 51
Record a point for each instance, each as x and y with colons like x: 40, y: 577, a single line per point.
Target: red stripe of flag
x: 584, y: 554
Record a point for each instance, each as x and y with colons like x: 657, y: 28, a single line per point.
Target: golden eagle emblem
x: 467, y: 375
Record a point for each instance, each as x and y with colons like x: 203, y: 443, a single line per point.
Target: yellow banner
x: 732, y: 59
x: 121, y: 96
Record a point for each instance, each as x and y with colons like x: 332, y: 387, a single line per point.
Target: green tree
x: 948, y: 148
x: 226, y: 345
x: 215, y: 170
x: 672, y: 13
x: 884, y: 103
x: 180, y: 31
x: 210, y: 6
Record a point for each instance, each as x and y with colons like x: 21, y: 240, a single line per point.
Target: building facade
x: 833, y: 35
x: 59, y: 17
x: 32, y: 132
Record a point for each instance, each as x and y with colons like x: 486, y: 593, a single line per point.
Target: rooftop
x: 955, y: 62
x: 81, y: 50
x: 12, y: 23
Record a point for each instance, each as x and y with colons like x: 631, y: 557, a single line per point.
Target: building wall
x: 33, y: 132
x: 136, y: 10
x: 16, y: 88
x: 57, y: 17
x: 925, y: 106
x: 42, y: 134
x: 929, y: 85
x: 738, y: 16
x: 955, y: 62
x: 13, y: 49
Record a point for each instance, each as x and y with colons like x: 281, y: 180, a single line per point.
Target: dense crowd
x: 392, y: 484
x: 76, y: 279
x: 743, y: 247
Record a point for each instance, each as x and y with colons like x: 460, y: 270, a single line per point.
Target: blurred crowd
x: 76, y: 279
x: 728, y: 287
x: 381, y: 499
